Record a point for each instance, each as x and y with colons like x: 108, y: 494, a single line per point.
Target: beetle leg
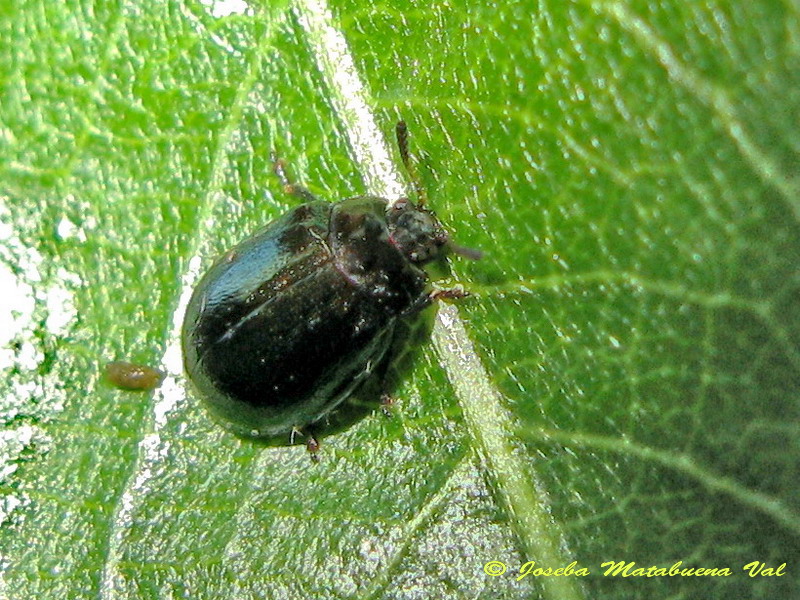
x: 312, y: 445
x: 454, y: 293
x: 293, y: 434
x: 295, y: 189
x: 421, y: 303
x: 425, y: 300
x: 387, y: 402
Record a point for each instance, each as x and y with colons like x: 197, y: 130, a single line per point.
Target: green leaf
x: 622, y: 385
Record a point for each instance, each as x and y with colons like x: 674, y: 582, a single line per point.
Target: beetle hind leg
x: 312, y: 445
x: 387, y: 404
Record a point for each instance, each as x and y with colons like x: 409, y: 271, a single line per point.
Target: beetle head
x: 415, y: 231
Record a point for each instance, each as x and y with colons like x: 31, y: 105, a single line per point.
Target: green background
x: 630, y: 170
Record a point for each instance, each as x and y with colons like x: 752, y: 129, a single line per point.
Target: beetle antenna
x: 402, y: 142
x: 470, y: 253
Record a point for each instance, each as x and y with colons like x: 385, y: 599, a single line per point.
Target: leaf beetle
x: 287, y: 324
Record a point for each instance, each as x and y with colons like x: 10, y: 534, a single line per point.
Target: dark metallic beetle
x: 286, y: 325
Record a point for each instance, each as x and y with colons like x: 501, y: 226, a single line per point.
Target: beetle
x: 290, y: 322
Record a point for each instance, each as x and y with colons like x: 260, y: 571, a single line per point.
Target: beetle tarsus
x: 454, y: 293
x: 387, y: 402
x: 312, y: 445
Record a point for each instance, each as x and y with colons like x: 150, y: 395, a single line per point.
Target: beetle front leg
x: 295, y: 189
x: 425, y: 300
